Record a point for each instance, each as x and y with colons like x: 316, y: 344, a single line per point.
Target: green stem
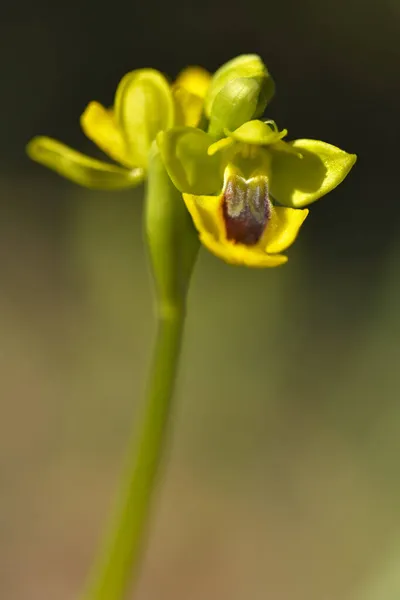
x: 120, y: 557
x: 173, y: 246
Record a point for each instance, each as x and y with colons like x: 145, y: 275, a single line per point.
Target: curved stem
x: 120, y: 556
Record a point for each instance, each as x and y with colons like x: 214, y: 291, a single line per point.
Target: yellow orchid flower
x: 246, y: 192
x: 145, y: 104
x: 241, y: 182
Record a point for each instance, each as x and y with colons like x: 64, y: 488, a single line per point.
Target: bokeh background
x: 282, y: 477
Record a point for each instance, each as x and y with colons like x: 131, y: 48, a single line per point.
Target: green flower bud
x: 239, y: 92
x: 246, y: 65
x: 234, y: 105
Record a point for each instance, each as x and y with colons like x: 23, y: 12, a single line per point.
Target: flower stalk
x: 173, y: 246
x: 119, y: 558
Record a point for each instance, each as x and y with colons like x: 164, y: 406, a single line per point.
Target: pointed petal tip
x: 297, y: 182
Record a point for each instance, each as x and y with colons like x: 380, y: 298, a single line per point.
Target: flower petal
x: 189, y: 107
x: 144, y: 106
x: 184, y: 153
x: 206, y: 214
x: 282, y: 229
x: 238, y: 254
x: 257, y: 132
x: 220, y: 146
x: 99, y: 125
x: 300, y: 180
x: 81, y: 169
x: 207, y: 218
x: 194, y: 80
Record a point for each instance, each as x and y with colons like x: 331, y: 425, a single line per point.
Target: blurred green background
x: 281, y: 479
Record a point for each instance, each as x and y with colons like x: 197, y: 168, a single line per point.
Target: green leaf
x: 144, y: 106
x: 81, y: 169
x: 246, y: 65
x: 258, y: 133
x: 297, y: 181
x: 191, y: 169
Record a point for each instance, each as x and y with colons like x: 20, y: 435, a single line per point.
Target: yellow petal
x: 143, y: 106
x: 99, y: 125
x: 194, y: 80
x: 206, y: 214
x: 81, y: 169
x: 282, y: 228
x: 189, y: 107
x: 207, y: 217
x: 238, y: 254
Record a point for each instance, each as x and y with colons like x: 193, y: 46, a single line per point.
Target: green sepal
x: 171, y: 236
x: 184, y: 151
x: 81, y: 169
x: 245, y: 65
x: 235, y: 104
x: 144, y: 106
x: 299, y: 180
x: 259, y: 133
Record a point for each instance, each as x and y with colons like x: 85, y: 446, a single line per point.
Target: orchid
x: 217, y: 173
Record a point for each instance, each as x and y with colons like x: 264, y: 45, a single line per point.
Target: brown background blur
x: 282, y: 480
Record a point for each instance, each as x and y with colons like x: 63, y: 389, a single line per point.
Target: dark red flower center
x: 246, y: 209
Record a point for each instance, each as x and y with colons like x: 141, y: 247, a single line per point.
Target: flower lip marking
x: 246, y: 209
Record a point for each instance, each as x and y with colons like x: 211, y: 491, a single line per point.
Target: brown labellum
x: 246, y: 209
